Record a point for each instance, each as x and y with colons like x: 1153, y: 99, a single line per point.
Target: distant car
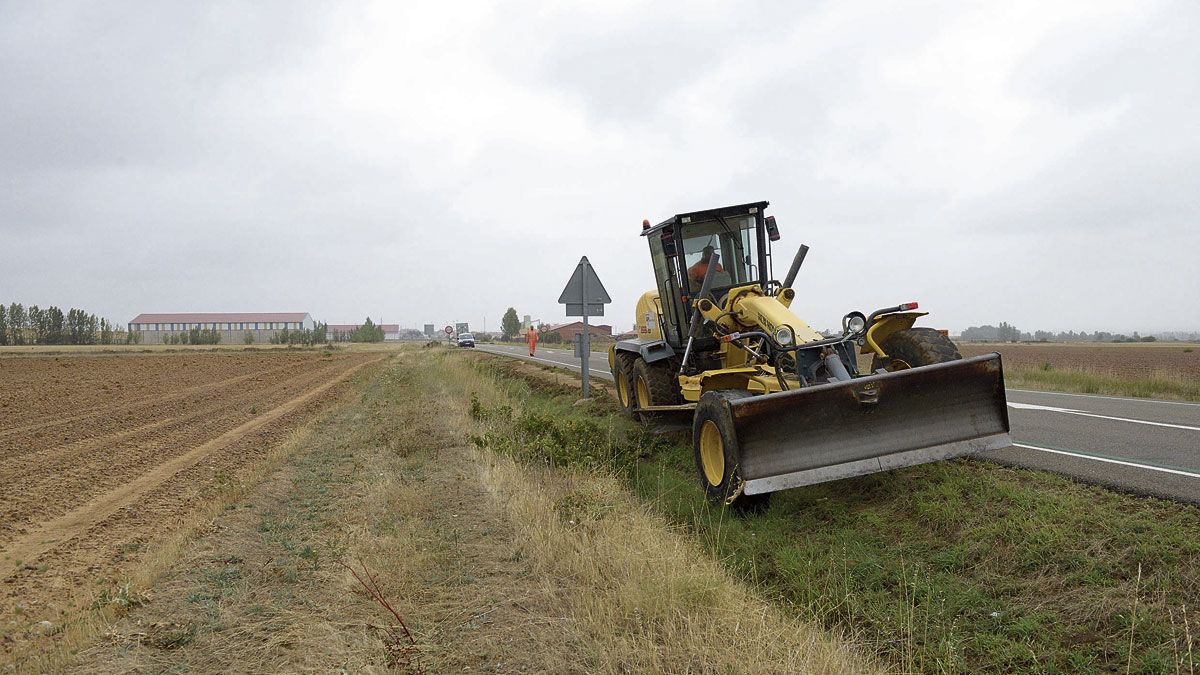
x: 466, y: 340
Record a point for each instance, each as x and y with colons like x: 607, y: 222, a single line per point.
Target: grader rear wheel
x: 654, y: 384
x: 623, y: 378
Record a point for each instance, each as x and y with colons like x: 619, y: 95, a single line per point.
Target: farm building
x: 233, y: 326
x: 391, y: 331
x: 568, y: 331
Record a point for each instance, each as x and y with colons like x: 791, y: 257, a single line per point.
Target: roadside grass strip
x: 958, y: 566
x: 1163, y: 385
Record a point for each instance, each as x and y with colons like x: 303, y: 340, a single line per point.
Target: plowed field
x: 102, y: 455
x: 1125, y: 360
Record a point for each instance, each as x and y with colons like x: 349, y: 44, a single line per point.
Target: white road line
x: 1068, y: 411
x: 1108, y: 398
x: 1138, y: 465
x: 560, y: 364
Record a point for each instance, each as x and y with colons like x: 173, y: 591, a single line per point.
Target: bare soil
x: 102, y: 456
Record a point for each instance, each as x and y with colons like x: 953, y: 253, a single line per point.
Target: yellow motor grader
x: 775, y: 403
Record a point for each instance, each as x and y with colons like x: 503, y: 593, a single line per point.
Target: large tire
x: 622, y: 373
x: 655, y: 384
x: 717, y: 453
x: 915, y: 347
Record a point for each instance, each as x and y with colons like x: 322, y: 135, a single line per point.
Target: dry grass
x: 643, y: 595
x: 647, y: 598
x: 1160, y: 385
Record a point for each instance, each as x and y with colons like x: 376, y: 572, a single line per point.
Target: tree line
x: 304, y: 336
x: 1006, y: 332
x: 367, y: 332
x: 20, y: 325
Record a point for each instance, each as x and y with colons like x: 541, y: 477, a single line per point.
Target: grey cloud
x: 161, y: 156
x: 1141, y: 173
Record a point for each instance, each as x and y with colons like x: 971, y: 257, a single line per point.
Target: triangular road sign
x: 573, y: 293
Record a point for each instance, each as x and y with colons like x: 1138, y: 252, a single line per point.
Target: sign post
x: 584, y: 296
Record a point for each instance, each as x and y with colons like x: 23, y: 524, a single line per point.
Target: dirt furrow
x: 54, y: 481
x: 119, y: 422
x: 38, y: 390
x: 117, y: 412
x: 58, y: 532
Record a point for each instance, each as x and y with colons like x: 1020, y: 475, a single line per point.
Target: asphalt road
x: 1137, y: 445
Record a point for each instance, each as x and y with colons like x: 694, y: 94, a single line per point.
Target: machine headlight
x: 853, y: 323
x: 785, y: 336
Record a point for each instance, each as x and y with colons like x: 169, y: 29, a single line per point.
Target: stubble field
x: 101, y: 455
x: 1119, y: 359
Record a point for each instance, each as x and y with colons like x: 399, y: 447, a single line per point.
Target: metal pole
x: 587, y: 347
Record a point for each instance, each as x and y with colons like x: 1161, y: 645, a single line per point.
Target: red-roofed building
x: 568, y: 331
x: 233, y: 326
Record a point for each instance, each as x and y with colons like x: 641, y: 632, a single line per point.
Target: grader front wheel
x: 715, y: 444
x: 915, y: 347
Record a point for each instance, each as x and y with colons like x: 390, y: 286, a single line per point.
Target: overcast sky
x: 1036, y: 163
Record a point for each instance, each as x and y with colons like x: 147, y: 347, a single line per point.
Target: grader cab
x: 776, y: 404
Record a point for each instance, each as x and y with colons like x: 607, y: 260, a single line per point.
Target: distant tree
x: 39, y: 321
x: 55, y: 327
x: 1008, y: 332
x: 510, y: 325
x: 106, y: 332
x: 3, y: 325
x: 320, y: 333
x: 18, y: 324
x: 986, y: 332
x: 367, y: 332
x: 248, y: 337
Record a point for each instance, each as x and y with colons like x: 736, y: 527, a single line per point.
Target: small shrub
x: 1045, y: 366
x: 1187, y: 350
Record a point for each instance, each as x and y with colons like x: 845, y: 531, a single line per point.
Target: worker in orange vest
x: 531, y: 336
x: 696, y: 272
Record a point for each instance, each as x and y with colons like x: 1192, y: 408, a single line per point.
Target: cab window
x: 735, y: 239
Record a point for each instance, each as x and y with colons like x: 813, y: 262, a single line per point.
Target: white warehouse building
x: 233, y: 326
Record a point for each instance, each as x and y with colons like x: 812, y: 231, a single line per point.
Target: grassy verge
x: 952, y: 567
x: 489, y: 563
x: 1160, y: 385
x: 641, y: 591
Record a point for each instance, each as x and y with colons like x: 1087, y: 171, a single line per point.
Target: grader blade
x: 869, y: 424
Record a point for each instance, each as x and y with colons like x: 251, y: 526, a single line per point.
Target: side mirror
x: 668, y: 242
x: 772, y: 229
